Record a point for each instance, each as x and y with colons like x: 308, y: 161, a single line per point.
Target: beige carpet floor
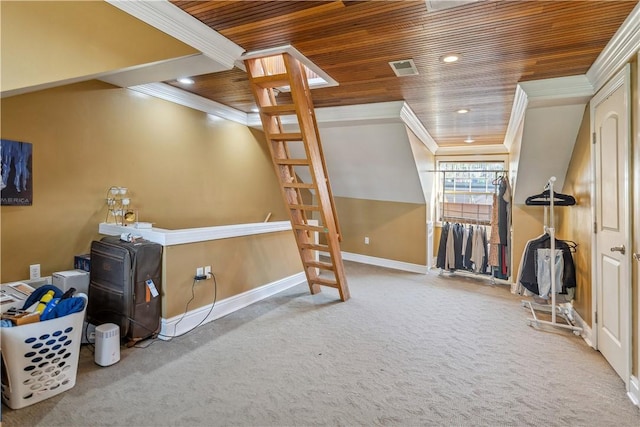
x: 406, y: 350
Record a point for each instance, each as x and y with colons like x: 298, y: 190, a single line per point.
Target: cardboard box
x: 65, y: 280
x: 22, y: 318
x: 82, y: 262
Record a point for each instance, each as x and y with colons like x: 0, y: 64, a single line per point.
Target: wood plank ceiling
x: 500, y: 43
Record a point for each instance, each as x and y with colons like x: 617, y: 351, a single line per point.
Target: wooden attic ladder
x: 268, y: 76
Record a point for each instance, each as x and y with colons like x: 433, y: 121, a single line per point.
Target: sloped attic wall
x: 371, y: 161
x: 377, y: 188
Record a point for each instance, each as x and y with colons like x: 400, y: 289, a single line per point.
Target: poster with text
x: 17, y: 173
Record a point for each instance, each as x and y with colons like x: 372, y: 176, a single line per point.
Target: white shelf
x: 192, y: 235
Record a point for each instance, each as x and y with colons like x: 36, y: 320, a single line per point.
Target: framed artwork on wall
x: 17, y: 173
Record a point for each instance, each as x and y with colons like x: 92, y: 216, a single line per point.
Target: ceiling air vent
x: 436, y: 5
x: 404, y: 68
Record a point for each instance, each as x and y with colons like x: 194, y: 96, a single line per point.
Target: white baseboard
x: 383, y: 262
x: 175, y: 326
x: 634, y: 390
x: 587, y: 333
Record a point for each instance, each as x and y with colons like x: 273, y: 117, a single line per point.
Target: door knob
x: 618, y: 249
x: 636, y: 256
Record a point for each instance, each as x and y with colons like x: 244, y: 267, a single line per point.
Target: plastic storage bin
x: 40, y: 360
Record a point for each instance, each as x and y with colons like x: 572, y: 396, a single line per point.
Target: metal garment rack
x: 566, y: 310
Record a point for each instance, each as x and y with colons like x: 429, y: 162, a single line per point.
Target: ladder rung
x: 285, y: 137
x: 305, y: 207
x: 293, y: 162
x: 321, y: 265
x: 298, y: 185
x: 275, y: 80
x: 311, y: 228
x: 277, y: 110
x: 314, y: 247
x: 324, y: 282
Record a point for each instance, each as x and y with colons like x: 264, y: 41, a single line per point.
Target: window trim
x: 461, y: 159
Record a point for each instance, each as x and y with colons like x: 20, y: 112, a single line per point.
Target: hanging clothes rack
x: 470, y: 264
x: 549, y: 199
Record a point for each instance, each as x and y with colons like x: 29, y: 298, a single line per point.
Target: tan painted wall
x: 50, y: 41
x: 240, y: 264
x: 575, y: 222
x: 183, y: 170
x: 397, y: 231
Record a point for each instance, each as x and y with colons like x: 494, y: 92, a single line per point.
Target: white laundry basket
x: 40, y: 360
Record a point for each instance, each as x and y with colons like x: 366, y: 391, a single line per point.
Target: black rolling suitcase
x: 125, y: 286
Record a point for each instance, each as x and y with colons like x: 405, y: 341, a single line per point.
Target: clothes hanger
x: 573, y: 246
x: 543, y: 199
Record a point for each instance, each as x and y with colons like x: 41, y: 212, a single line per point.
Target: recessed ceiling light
x: 185, y: 81
x: 469, y: 140
x: 463, y: 111
x: 451, y: 57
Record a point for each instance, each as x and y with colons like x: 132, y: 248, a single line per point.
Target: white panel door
x: 612, y: 217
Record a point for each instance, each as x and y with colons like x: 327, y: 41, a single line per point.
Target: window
x: 465, y: 190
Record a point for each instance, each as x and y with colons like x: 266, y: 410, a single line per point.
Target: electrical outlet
x: 34, y: 271
x: 207, y: 271
x: 199, y: 271
x: 366, y: 240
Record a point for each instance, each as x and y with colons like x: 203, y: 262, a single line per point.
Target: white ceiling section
x: 368, y: 151
x: 192, y: 65
x: 370, y: 161
x: 547, y: 145
x: 553, y: 110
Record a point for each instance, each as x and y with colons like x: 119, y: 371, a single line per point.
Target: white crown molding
x: 170, y: 19
x: 545, y: 93
x: 558, y: 91
x: 471, y: 149
x: 411, y: 120
x: 345, y: 115
x: 518, y: 109
x: 623, y: 45
x: 354, y: 113
x: 182, y: 97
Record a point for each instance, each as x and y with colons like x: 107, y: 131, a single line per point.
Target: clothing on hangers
x: 450, y: 260
x: 452, y: 242
x: 543, y: 271
x: 479, y: 251
x: 468, y: 251
x: 504, y: 211
x: 442, y: 246
x: 528, y: 273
